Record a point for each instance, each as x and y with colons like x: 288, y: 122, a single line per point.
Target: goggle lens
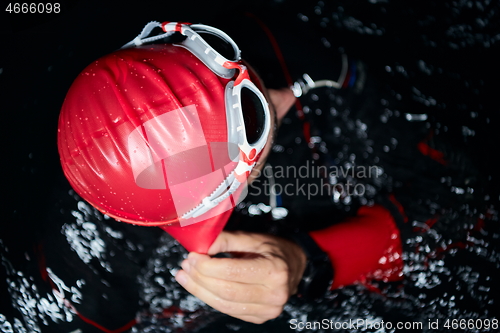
x: 253, y: 115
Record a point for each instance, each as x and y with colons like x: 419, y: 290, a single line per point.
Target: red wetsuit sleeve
x: 366, y: 246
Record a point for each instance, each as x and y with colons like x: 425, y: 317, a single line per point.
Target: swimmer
x: 170, y: 134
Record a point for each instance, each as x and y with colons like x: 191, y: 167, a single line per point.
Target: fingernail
x: 181, y: 277
x: 186, y: 266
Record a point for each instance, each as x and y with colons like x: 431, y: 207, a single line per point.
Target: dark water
x: 431, y: 76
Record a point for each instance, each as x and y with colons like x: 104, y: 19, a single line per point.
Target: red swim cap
x: 139, y: 131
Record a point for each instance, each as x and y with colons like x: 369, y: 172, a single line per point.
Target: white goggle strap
x: 194, y: 43
x: 143, y: 38
x: 215, y: 198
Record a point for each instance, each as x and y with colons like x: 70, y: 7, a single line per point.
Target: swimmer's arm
x: 364, y: 246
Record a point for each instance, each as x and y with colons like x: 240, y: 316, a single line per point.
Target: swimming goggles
x: 247, y: 111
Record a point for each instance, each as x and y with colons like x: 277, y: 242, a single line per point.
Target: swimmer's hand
x: 255, y: 284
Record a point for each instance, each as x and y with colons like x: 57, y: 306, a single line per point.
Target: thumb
x: 221, y: 243
x: 233, y: 242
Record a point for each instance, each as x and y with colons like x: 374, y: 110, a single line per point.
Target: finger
x: 259, y: 269
x: 239, y: 292
x: 233, y: 309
